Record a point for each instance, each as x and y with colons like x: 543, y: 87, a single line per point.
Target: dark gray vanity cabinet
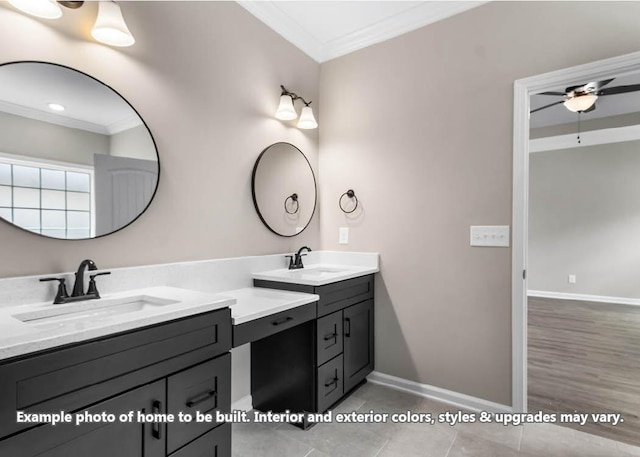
x: 343, y: 339
x: 178, y: 366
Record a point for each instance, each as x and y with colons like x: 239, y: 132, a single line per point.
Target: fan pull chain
x: 579, y: 141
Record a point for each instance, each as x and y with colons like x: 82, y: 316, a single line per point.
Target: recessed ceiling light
x: 56, y: 107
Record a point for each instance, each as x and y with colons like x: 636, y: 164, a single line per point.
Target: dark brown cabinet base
x: 311, y: 367
x: 178, y: 366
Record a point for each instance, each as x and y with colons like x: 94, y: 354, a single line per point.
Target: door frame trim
x: 522, y: 90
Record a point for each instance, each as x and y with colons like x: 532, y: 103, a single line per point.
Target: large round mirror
x: 284, y: 189
x: 76, y: 160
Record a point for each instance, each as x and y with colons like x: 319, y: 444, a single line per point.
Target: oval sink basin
x: 90, y: 311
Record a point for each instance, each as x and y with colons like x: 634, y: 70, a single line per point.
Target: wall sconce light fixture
x: 109, y: 27
x: 45, y: 9
x: 286, y: 110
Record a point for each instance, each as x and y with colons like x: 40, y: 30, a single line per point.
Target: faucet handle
x: 62, y: 290
x: 92, y: 289
x: 290, y: 257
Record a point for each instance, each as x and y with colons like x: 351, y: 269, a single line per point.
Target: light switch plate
x: 490, y: 235
x: 343, y: 237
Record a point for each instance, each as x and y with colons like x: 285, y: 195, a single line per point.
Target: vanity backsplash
x: 213, y: 276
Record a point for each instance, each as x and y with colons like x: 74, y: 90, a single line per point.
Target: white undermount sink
x: 90, y: 311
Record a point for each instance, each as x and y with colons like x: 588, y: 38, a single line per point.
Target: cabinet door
x: 99, y: 439
x: 358, y: 343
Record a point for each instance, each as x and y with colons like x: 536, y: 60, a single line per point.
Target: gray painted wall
x: 421, y: 127
x: 30, y: 138
x: 205, y: 76
x: 584, y: 219
x: 134, y: 143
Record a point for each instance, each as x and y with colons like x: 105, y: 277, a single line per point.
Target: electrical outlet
x: 343, y: 237
x: 572, y: 279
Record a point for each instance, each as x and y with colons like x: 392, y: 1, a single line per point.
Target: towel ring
x: 294, y: 199
x: 351, y: 194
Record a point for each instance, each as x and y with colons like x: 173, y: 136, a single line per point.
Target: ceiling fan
x: 582, y: 99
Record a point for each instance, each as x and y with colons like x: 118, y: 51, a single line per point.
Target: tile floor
x: 416, y: 440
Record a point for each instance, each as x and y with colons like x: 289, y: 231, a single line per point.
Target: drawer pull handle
x: 332, y: 336
x: 155, y: 427
x: 347, y: 323
x: 332, y: 382
x: 282, y: 321
x: 201, y: 398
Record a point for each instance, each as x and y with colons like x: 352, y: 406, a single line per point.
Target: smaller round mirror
x: 284, y: 189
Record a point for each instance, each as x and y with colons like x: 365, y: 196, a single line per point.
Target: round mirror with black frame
x: 76, y: 159
x: 284, y: 190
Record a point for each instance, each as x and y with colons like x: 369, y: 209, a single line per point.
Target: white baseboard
x: 584, y: 297
x: 244, y: 404
x: 436, y: 393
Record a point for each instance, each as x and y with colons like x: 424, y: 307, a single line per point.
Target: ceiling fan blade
x: 546, y: 106
x: 604, y: 82
x: 591, y: 87
x: 559, y: 94
x: 619, y: 89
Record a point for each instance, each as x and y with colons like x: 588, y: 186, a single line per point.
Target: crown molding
x: 418, y: 16
x: 285, y: 26
x: 424, y: 14
x: 64, y: 121
x: 124, y: 124
x: 51, y: 118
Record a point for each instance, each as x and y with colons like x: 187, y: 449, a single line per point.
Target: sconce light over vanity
x: 287, y: 112
x: 109, y: 28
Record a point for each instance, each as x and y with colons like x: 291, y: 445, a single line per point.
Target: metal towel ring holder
x: 351, y: 194
x: 294, y: 199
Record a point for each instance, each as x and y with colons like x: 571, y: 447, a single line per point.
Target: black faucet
x: 78, y: 287
x: 78, y: 293
x: 295, y: 261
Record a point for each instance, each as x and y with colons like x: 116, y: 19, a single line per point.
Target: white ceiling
x: 606, y: 106
x: 27, y: 88
x: 325, y: 30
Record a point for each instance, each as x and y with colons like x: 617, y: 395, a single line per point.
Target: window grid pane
x: 52, y: 202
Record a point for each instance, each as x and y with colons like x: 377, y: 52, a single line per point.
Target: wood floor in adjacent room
x: 585, y: 357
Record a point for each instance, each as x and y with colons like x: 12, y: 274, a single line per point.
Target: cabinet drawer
x: 270, y: 325
x: 216, y: 443
x: 330, y: 384
x: 328, y: 337
x: 205, y: 388
x: 339, y: 295
x: 72, y: 377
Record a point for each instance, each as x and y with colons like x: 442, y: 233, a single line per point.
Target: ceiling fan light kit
x: 582, y: 99
x: 580, y: 103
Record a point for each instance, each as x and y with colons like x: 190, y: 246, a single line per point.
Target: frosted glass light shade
x: 580, y: 102
x: 46, y: 9
x: 110, y: 27
x: 307, y: 120
x: 286, y: 111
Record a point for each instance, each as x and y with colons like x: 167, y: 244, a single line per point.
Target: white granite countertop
x: 255, y: 302
x: 30, y: 328
x: 317, y: 274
